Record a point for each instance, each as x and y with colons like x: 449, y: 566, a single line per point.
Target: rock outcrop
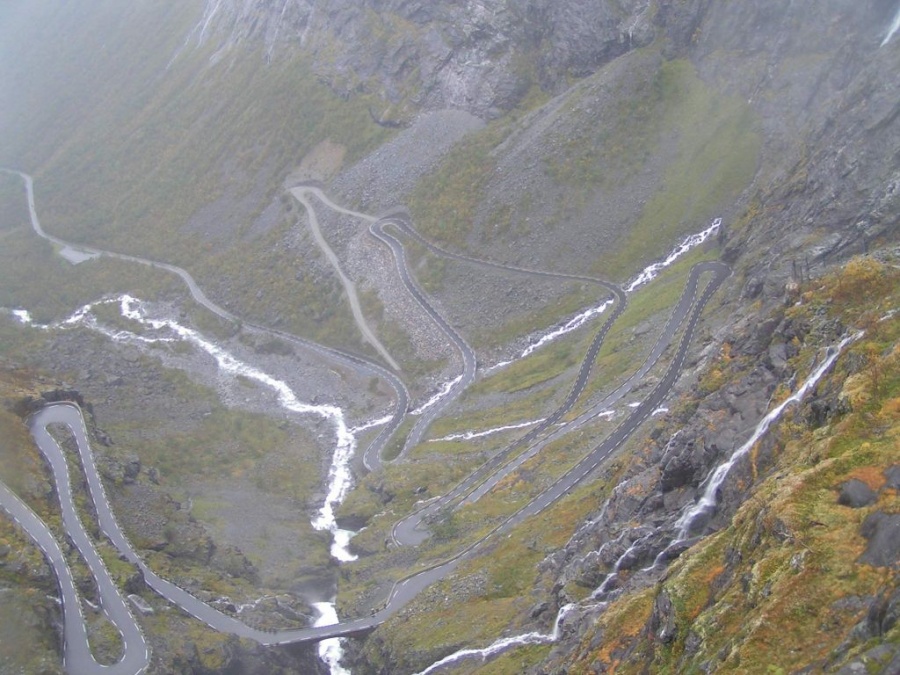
x: 478, y: 55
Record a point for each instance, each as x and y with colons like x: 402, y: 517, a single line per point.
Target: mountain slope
x: 586, y: 137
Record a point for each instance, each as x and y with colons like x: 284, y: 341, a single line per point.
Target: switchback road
x: 349, y: 287
x: 412, y: 530
x: 135, y: 655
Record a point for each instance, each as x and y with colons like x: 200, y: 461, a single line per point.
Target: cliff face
x: 793, y: 570
x: 814, y: 76
x: 479, y: 55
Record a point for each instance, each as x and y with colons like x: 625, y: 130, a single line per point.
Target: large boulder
x: 856, y: 494
x: 883, y: 532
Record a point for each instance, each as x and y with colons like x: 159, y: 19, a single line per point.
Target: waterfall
x: 471, y: 435
x: 708, y: 501
x: 340, y: 478
x: 649, y: 273
x: 602, y: 592
x: 575, y: 322
x: 895, y: 26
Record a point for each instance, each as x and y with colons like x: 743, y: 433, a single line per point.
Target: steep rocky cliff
x: 480, y: 55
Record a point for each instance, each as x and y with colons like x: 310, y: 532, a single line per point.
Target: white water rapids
x: 646, y: 275
x: 23, y: 316
x: 470, y: 435
x: 575, y: 322
x: 692, y: 241
x: 340, y: 478
x: 330, y: 651
x: 533, y: 638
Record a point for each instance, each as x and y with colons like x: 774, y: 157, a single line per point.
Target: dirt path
x: 368, y: 334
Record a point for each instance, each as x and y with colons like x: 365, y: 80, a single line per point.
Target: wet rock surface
x: 883, y: 532
x: 460, y: 55
x: 856, y: 494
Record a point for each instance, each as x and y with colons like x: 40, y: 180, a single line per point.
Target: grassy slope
x: 718, y: 146
x: 797, y: 546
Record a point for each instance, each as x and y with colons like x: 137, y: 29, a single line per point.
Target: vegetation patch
x: 718, y: 146
x: 623, y: 350
x: 444, y: 203
x: 782, y: 587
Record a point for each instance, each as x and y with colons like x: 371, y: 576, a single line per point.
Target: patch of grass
x: 128, y: 171
x: 578, y: 299
x: 21, y: 464
x: 502, y: 574
x: 26, y: 644
x: 444, y: 202
x: 525, y: 408
x: 104, y: 638
x: 718, y: 146
x: 60, y: 287
x: 13, y: 204
x: 227, y: 441
x: 514, y: 661
x: 538, y: 367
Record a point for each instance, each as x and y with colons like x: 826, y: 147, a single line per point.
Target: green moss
x: 28, y: 643
x: 104, y: 638
x: 764, y: 594
x: 537, y: 368
x: 444, y: 202
x: 718, y: 145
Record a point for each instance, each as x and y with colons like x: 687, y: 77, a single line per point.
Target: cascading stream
x: 533, y: 638
x: 710, y: 494
x: 340, y: 478
x: 645, y: 276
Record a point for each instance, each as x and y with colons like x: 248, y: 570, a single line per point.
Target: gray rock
x: 131, y: 469
x: 856, y: 494
x: 539, y: 609
x: 883, y: 532
x: 892, y: 474
x: 662, y: 621
x: 752, y: 289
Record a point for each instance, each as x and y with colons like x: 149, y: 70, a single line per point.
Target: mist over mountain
x: 585, y: 308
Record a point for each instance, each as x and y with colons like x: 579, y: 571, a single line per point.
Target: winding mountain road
x: 400, y: 218
x: 135, y: 655
x: 413, y: 530
x: 467, y: 354
x: 77, y: 656
x: 372, y: 454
